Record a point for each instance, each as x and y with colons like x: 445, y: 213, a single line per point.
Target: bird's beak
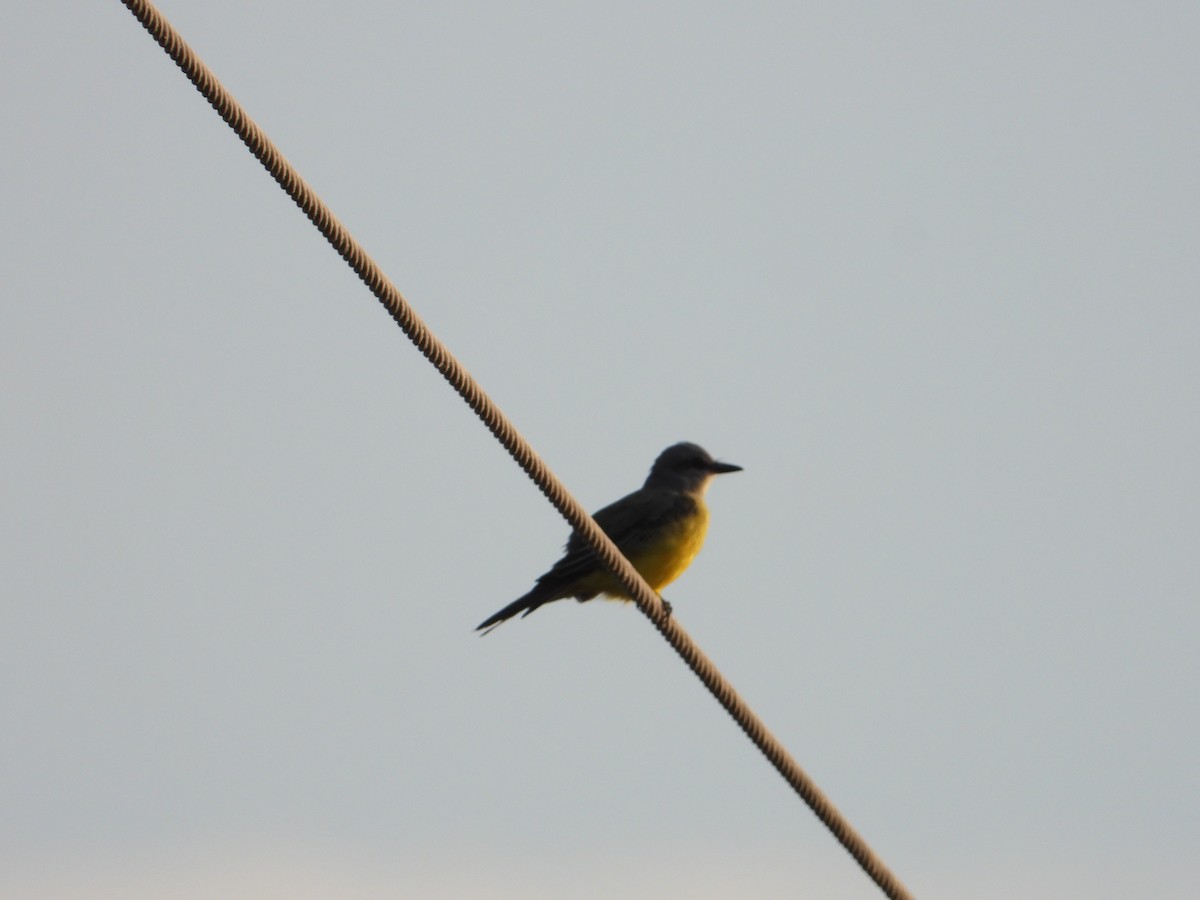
x: 720, y: 468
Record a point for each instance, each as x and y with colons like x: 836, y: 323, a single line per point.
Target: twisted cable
x: 436, y: 352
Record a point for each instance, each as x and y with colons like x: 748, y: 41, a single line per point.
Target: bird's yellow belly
x: 671, y: 555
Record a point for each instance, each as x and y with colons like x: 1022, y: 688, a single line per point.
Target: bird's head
x: 686, y: 467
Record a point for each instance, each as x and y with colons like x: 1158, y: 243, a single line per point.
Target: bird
x: 659, y: 528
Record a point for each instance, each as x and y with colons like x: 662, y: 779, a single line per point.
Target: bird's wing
x: 633, y: 523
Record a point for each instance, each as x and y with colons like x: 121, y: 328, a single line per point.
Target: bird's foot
x: 667, y: 608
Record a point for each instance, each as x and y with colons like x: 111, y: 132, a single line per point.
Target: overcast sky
x: 927, y: 271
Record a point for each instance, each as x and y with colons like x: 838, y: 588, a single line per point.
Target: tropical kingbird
x: 659, y: 529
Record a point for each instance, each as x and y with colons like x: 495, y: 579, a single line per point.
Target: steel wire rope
x: 386, y: 292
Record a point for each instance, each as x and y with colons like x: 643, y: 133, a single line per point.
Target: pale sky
x: 928, y: 272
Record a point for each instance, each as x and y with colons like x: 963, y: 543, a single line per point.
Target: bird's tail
x: 523, y: 605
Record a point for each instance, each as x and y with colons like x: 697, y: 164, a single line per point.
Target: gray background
x: 928, y: 271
